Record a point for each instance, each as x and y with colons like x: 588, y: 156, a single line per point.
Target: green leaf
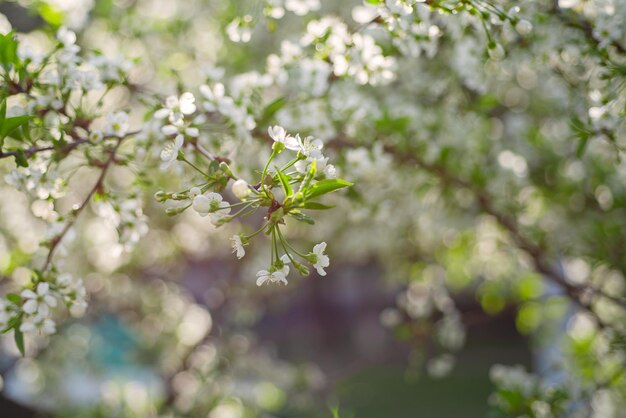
x: 308, y: 178
x: 302, y: 217
x: 20, y: 159
x: 271, y: 109
x: 284, y: 181
x: 3, y: 112
x: 312, y: 169
x: 323, y: 187
x: 19, y: 339
x: 316, y: 206
x: 14, y: 322
x: 10, y: 124
x: 582, y: 133
x: 12, y: 297
x: 8, y: 50
x: 51, y: 15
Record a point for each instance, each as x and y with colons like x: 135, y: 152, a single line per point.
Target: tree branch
x: 541, y: 261
x: 34, y: 150
x: 97, y: 186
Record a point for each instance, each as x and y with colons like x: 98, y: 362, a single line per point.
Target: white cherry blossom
x: 40, y: 301
x: 277, y: 276
x: 211, y: 204
x: 278, y: 134
x: 319, y: 259
x: 169, y: 154
x: 238, y: 246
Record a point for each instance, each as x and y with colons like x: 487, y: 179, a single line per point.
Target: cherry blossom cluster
x: 284, y: 190
x: 31, y: 311
x: 53, y: 116
x: 485, y: 140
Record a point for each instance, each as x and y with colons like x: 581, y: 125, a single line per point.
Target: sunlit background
x: 426, y: 291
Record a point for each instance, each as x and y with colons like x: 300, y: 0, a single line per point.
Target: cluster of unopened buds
x: 284, y: 190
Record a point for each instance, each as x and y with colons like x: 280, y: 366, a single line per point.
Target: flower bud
x: 241, y: 189
x: 223, y: 220
x: 278, y: 147
x: 523, y: 27
x: 496, y: 51
x: 226, y: 169
x: 302, y: 269
x: 175, y: 211
x: 179, y: 196
x: 161, y: 196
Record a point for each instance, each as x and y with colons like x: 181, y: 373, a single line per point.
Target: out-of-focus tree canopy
x: 469, y: 152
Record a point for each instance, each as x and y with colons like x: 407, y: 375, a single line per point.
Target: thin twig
x: 97, y: 186
x: 541, y: 261
x: 34, y: 150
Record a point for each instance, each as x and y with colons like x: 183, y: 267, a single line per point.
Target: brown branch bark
x: 96, y: 187
x: 34, y: 150
x: 541, y: 260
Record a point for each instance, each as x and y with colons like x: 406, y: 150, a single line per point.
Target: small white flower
x: 66, y: 36
x: 117, y: 124
x: 278, y: 134
x: 321, y: 259
x: 169, y: 154
x: 95, y: 136
x: 26, y: 53
x: 238, y: 246
x: 39, y: 302
x: 176, y: 108
x: 78, y: 308
x: 169, y: 130
x: 302, y: 7
x: 239, y: 30
x: 186, y: 103
x: 194, y: 191
x: 193, y: 132
x: 278, y: 276
x: 399, y: 7
x: 213, y: 73
x: 74, y: 293
x: 330, y: 171
x: 211, y: 204
x: 310, y: 146
x: 214, y: 95
x: 241, y: 189
x: 524, y: 27
x: 38, y: 323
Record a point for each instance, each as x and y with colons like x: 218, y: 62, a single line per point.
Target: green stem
x: 285, y: 242
x: 289, y: 164
x: 273, y: 246
x: 258, y: 231
x: 192, y: 165
x: 272, y: 156
x: 274, y: 242
x: 282, y: 242
x: 244, y: 208
x: 245, y: 202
